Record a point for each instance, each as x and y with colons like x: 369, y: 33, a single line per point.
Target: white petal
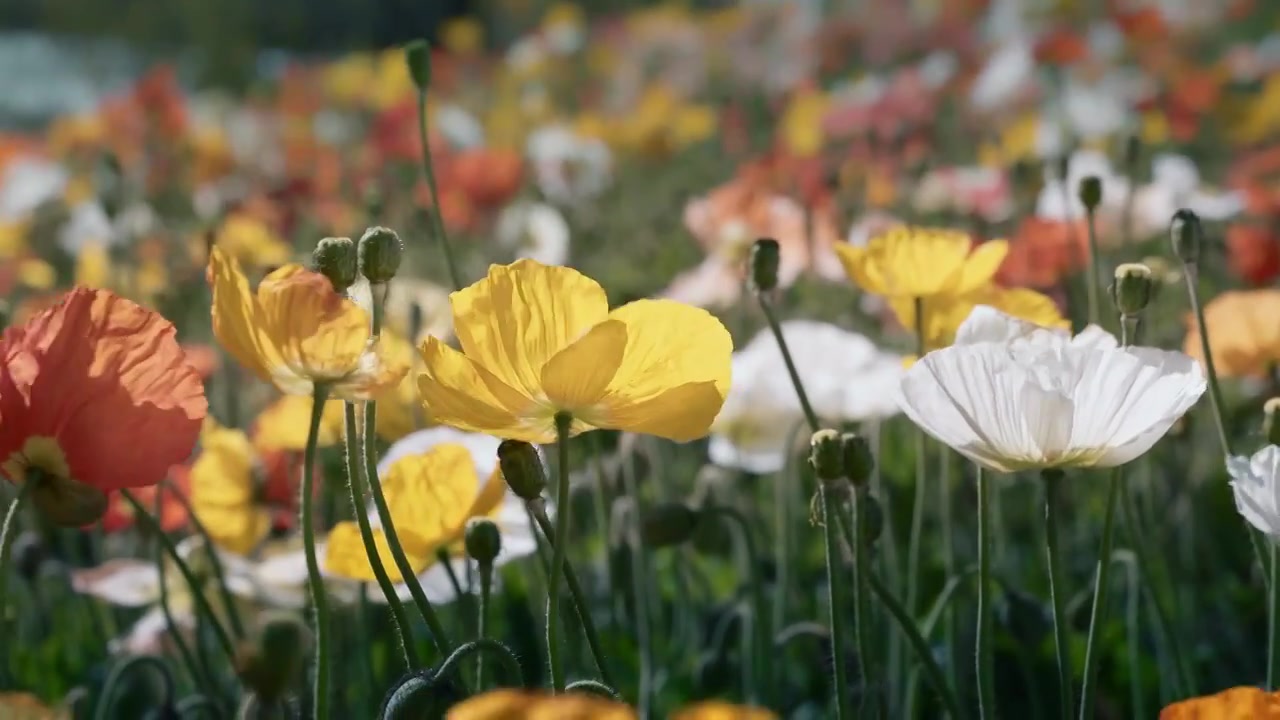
x: 128, y: 583
x: 484, y: 448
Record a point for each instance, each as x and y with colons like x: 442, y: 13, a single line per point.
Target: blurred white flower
x: 1008, y: 70
x: 569, y: 167
x: 1175, y: 183
x: 408, y: 297
x: 1256, y: 484
x: 1011, y: 395
x: 1095, y: 110
x: 972, y: 190
x: 1057, y: 202
x: 937, y: 68
x: 846, y: 378
x: 26, y: 183
x: 534, y: 230
x: 88, y: 225
x: 460, y: 128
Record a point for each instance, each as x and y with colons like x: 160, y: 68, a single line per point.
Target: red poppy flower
x: 96, y: 396
x: 1253, y: 252
x: 173, y: 513
x: 1043, y: 252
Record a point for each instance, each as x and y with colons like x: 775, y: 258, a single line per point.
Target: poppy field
x: 695, y: 360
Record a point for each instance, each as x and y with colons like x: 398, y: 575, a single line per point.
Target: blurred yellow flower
x: 73, y: 131
x: 36, y: 274
x: 250, y: 241
x: 1154, y: 128
x: 509, y: 704
x: 538, y: 340
x: 944, y: 313
x: 563, y: 16
x: 720, y: 710
x: 391, y: 82
x: 431, y: 497
x: 297, y: 331
x: 346, y: 81
x: 1244, y: 336
x: 462, y: 36
x: 283, y: 424
x: 915, y: 262
x: 224, y: 491
x: 1262, y: 117
x: 1017, y: 141
x: 93, y: 266
x: 662, y: 122
x: 13, y: 239
x: 1239, y: 703
x: 25, y: 706
x: 801, y: 125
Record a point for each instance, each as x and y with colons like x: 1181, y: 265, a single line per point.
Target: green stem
x: 1133, y: 626
x: 358, y: 505
x: 1097, y: 615
x: 198, y: 675
x: 442, y: 556
x: 576, y: 593
x: 107, y: 700
x: 8, y: 532
x: 219, y: 573
x: 835, y: 604
x: 593, y: 687
x: 1192, y: 275
x: 202, y: 603
x: 505, y: 657
x: 945, y: 514
x: 1052, y: 478
x: 482, y: 620
x: 766, y: 305
x: 1093, y: 281
x: 861, y: 590
x: 924, y: 653
x: 437, y: 218
x: 315, y: 581
x: 640, y: 588
x: 916, y: 531
x: 985, y: 652
x: 1273, y: 644
x: 763, y: 677
x: 564, y: 421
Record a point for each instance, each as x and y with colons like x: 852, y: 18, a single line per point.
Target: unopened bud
x: 1270, y: 423
x: 335, y: 258
x: 483, y: 541
x: 379, y: 254
x: 1132, y: 289
x: 858, y: 461
x: 421, y: 694
x: 1091, y: 192
x: 826, y: 455
x: 765, y: 258
x: 417, y: 54
x: 1187, y: 236
x: 522, y: 469
x: 269, y: 664
x: 668, y: 524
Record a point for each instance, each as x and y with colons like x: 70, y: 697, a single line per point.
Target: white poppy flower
x: 534, y: 230
x: 1175, y: 183
x: 458, y: 126
x: 1256, y: 484
x: 567, y: 166
x: 26, y: 183
x: 1008, y: 70
x: 1058, y: 203
x: 846, y: 378
x: 1011, y: 395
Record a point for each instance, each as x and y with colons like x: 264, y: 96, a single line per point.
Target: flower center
x: 39, y: 457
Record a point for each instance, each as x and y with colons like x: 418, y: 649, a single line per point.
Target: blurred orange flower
x: 1253, y: 252
x: 1244, y: 336
x: 1240, y: 703
x: 1044, y: 252
x: 173, y: 513
x: 96, y: 396
x: 488, y: 176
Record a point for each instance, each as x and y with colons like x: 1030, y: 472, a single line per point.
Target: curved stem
x: 558, y: 551
x: 219, y: 573
x: 315, y: 581
x: 923, y: 652
x: 355, y: 486
x: 985, y: 652
x: 1191, y: 274
x: 1097, y: 616
x: 8, y: 532
x: 202, y: 603
x: 763, y: 679
x: 107, y: 701
x: 482, y: 621
x: 594, y: 688
x: 835, y: 604
x: 437, y: 218
x: 1052, y: 478
x: 539, y: 512
x: 197, y: 704
x: 506, y: 658
x: 766, y: 305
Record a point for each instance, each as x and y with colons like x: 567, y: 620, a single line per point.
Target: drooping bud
x: 379, y: 253
x: 1186, y: 236
x: 1132, y: 289
x: 417, y: 54
x: 858, y: 461
x: 483, y: 541
x: 270, y: 663
x: 1271, y: 423
x: 522, y: 469
x: 335, y: 258
x: 765, y: 258
x: 1091, y: 192
x: 668, y: 524
x: 421, y: 694
x: 826, y: 455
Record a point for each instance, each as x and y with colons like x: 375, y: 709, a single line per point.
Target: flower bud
x: 335, y: 258
x: 522, y: 469
x: 483, y: 541
x: 1132, y: 289
x: 421, y: 694
x: 668, y: 524
x: 417, y: 54
x: 1187, y: 236
x: 765, y: 257
x: 826, y: 455
x: 1091, y: 192
x: 379, y: 254
x: 1270, y: 423
x: 270, y: 663
x: 858, y: 460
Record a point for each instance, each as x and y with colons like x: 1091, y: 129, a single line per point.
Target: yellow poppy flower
x: 346, y: 81
x: 36, y: 273
x: 399, y: 409
x: 507, y: 704
x: 462, y: 36
x: 13, y: 239
x: 93, y: 266
x: 250, y: 241
x: 283, y: 424
x: 297, y: 331
x: 537, y: 340
x: 801, y: 125
x: 1244, y: 336
x: 224, y: 492
x: 1240, y: 702
x: 914, y: 262
x: 720, y: 710
x: 431, y: 497
x: 944, y: 313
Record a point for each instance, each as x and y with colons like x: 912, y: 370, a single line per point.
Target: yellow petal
x: 912, y: 262
x: 430, y: 495
x: 93, y: 266
x: 489, y: 502
x: 859, y: 268
x: 981, y: 266
x: 321, y: 334
x: 577, y: 377
x: 284, y: 424
x: 458, y: 392
x: 521, y: 315
x: 674, y: 374
x: 345, y: 555
x: 237, y: 317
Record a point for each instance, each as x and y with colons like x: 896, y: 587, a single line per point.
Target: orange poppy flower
x: 1244, y: 703
x: 1244, y: 336
x: 1043, y: 252
x: 202, y: 358
x: 1253, y: 252
x: 96, y: 396
x: 488, y: 176
x: 173, y: 514
x: 1062, y: 46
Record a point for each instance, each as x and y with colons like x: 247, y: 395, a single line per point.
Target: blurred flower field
x: 768, y: 359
